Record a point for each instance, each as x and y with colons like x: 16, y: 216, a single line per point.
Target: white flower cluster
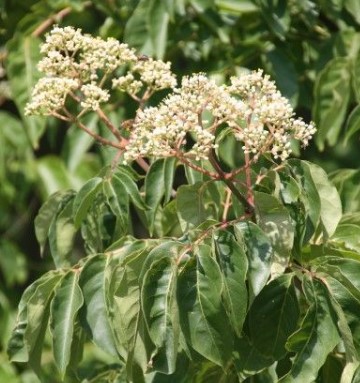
x: 161, y: 131
x: 49, y: 95
x: 185, y: 122
x: 153, y: 74
x: 269, y: 120
x: 251, y: 106
x: 94, y: 95
x: 71, y: 56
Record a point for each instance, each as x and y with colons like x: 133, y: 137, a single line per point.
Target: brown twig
x: 227, y: 204
x: 50, y: 21
x: 110, y: 125
x: 180, y: 156
x: 249, y: 206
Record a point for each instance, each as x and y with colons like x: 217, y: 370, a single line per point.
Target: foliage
x: 146, y: 265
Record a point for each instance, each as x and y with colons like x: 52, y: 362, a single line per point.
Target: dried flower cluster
x: 183, y: 124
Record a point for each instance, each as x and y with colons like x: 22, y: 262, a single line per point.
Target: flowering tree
x: 244, y: 271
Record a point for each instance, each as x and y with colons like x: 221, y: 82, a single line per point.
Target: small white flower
x: 93, y: 96
x: 49, y: 95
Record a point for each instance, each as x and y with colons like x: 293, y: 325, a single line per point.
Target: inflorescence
x: 185, y: 123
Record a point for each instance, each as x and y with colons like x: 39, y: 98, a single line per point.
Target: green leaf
x: 62, y: 234
x: 64, y: 308
x: 202, y: 317
x: 321, y: 198
x: 158, y: 20
x: 130, y: 186
x: 347, y: 182
x: 17, y: 346
x: 309, y: 197
x: 342, y: 300
x: 259, y: 253
x: 95, y: 314
x: 158, y: 185
x: 331, y: 209
x: 332, y: 94
x: 276, y: 16
x: 84, y: 198
x: 158, y: 298
x: 352, y: 124
x: 38, y: 312
x: 233, y: 264
x: 273, y: 317
x: 316, y: 338
x: 21, y: 69
x: 13, y: 141
x: 136, y: 32
x: 347, y: 235
x: 118, y: 201
x: 248, y: 360
x: 53, y: 175
x: 46, y: 215
x: 13, y: 264
x: 190, y: 205
x: 274, y: 219
x: 77, y: 143
x: 353, y: 7
x: 124, y: 307
x: 285, y: 74
x: 236, y: 7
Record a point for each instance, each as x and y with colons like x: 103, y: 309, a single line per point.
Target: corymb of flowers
x: 185, y: 123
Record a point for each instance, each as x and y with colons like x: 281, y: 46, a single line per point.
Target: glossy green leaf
x: 202, y: 317
x: 62, y: 233
x: 17, y: 346
x: 46, y: 215
x: 273, y: 316
x: 309, y: 197
x: 274, y: 219
x: 64, y: 307
x: 352, y: 124
x: 248, y: 360
x: 118, y: 201
x: 158, y: 185
x: 316, y: 338
x: 38, y: 313
x: 331, y: 209
x: 95, y: 313
x: 130, y: 186
x: 158, y: 20
x: 21, y: 69
x: 159, y: 305
x: 321, y: 198
x: 347, y: 182
x: 259, y: 253
x: 332, y: 94
x: 233, y: 264
x: 124, y: 308
x: 342, y: 300
x: 84, y: 198
x: 190, y: 205
x: 347, y: 235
